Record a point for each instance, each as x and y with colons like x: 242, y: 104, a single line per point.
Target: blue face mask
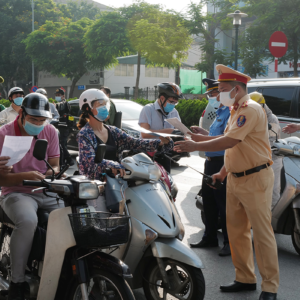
x: 102, y: 113
x: 32, y: 129
x: 169, y: 107
x: 18, y: 101
x: 213, y: 101
x: 58, y: 99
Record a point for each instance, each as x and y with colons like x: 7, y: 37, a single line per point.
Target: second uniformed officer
x: 250, y: 182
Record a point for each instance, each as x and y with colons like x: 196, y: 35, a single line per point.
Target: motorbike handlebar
x: 34, y: 183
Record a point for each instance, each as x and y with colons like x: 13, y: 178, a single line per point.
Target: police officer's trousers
x: 248, y: 204
x: 214, y: 204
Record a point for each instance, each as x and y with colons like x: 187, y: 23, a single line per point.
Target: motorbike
x: 286, y: 212
x: 160, y: 262
x: 72, y: 264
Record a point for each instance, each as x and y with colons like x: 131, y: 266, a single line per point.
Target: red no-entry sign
x: 278, y: 45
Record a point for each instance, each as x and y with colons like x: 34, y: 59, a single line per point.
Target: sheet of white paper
x: 178, y: 125
x: 16, y: 148
x: 141, y: 129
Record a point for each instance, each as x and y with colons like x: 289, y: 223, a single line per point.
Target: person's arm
x: 199, y: 130
x: 55, y: 112
x: 202, y: 138
x: 217, y: 144
x: 13, y: 179
x: 291, y: 128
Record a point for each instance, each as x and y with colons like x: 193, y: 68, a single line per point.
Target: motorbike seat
x: 41, y: 214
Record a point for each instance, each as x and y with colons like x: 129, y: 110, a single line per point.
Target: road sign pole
x: 276, y: 65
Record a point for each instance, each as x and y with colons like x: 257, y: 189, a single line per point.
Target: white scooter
x: 286, y: 213
x: 72, y: 265
x: 160, y: 262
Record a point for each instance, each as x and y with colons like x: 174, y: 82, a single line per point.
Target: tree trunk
x: 136, y: 91
x: 296, y: 56
x: 74, y: 81
x: 177, y: 75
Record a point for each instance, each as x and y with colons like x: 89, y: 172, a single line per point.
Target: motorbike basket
x: 99, y: 229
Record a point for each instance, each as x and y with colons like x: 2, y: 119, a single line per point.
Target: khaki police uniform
x: 249, y: 197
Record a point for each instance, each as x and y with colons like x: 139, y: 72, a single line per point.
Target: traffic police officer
x: 214, y: 201
x: 63, y: 109
x: 250, y: 182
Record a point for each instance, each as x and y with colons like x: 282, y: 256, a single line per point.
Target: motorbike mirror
x: 269, y: 126
x: 40, y: 149
x: 39, y: 152
x: 100, y: 153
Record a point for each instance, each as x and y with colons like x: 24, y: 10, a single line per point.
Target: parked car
x: 282, y: 96
x: 130, y: 116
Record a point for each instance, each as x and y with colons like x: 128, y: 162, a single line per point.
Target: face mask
x: 225, y: 98
x: 58, y: 99
x: 213, y: 101
x: 18, y: 101
x: 32, y: 129
x: 102, y: 113
x: 169, y: 107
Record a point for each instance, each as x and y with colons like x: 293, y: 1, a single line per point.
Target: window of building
x: 161, y: 72
x: 279, y: 99
x: 124, y: 70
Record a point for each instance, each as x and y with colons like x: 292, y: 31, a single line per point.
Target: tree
x: 158, y: 36
x: 16, y: 16
x: 79, y: 10
x: 58, y: 47
x: 273, y: 15
x: 107, y: 39
x: 208, y: 25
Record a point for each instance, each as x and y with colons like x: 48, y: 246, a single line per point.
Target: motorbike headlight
x: 88, y: 190
x: 154, y: 172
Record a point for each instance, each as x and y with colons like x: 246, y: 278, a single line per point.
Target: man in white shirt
x: 15, y: 96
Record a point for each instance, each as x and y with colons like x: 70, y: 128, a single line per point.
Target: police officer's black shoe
x: 267, y: 296
x: 204, y: 244
x: 16, y: 291
x: 225, y: 251
x: 238, y: 287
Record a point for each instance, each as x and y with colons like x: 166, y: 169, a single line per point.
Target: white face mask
x: 225, y: 98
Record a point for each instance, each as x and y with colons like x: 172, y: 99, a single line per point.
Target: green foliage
x: 271, y: 16
x: 16, y: 16
x: 190, y: 111
x: 57, y: 47
x: 188, y: 90
x: 5, y: 102
x: 79, y: 10
x: 106, y: 39
x: 207, y: 25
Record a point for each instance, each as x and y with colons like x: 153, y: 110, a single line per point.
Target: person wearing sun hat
x: 250, y: 181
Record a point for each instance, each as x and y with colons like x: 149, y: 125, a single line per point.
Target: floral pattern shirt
x: 87, y: 144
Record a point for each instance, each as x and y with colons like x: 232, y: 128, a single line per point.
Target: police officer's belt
x: 251, y: 171
x: 215, y: 158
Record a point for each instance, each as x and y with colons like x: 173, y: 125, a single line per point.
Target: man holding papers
x: 17, y: 201
x: 154, y: 115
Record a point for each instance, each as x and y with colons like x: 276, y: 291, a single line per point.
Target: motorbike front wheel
x: 186, y: 282
x: 103, y: 285
x: 296, y: 239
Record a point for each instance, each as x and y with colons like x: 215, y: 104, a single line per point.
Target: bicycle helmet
x: 36, y: 104
x: 15, y: 90
x: 41, y: 91
x: 170, y: 89
x: 91, y: 95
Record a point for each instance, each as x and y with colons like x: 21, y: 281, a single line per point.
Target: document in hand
x: 16, y: 148
x: 178, y: 125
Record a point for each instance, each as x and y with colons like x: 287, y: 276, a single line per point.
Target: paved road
x: 220, y: 270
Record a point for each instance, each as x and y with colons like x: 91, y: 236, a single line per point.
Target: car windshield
x: 130, y: 110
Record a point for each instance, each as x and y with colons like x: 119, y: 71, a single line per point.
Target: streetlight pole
x: 32, y: 5
x: 237, y: 21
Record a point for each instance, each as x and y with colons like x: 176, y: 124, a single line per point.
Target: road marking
x: 277, y: 44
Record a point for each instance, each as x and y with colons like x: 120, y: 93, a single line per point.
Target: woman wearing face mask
x: 95, y: 106
x: 15, y: 96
